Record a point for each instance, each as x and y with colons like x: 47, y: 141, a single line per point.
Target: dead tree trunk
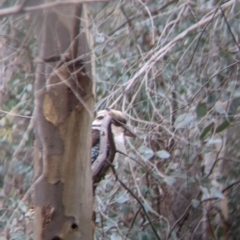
x: 63, y: 114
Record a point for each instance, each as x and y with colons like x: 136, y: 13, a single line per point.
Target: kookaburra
x: 118, y: 127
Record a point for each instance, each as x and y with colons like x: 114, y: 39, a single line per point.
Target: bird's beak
x: 128, y: 132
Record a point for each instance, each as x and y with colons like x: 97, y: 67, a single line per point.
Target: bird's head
x: 119, y: 122
x: 119, y: 128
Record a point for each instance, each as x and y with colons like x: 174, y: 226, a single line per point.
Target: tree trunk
x: 64, y: 103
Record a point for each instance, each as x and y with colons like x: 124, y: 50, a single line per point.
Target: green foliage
x: 201, y: 110
x: 162, y: 154
x: 146, y: 152
x: 222, y: 126
x: 16, y: 140
x: 206, y: 130
x: 183, y: 120
x: 181, y: 93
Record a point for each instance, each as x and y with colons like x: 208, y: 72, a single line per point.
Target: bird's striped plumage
x: 119, y: 131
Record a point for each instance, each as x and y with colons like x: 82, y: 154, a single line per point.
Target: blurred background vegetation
x: 173, y: 68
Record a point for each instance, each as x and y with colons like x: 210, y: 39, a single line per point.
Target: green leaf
x: 122, y: 199
x: 183, y: 120
x: 147, y: 205
x: 212, y: 98
x: 162, y: 154
x: 142, y: 235
x: 205, y: 192
x: 206, y: 130
x: 215, y: 192
x: 222, y: 126
x: 146, y: 152
x: 234, y: 106
x: 169, y: 180
x: 201, y: 110
x: 214, y: 140
x: 195, y: 203
x: 115, y: 236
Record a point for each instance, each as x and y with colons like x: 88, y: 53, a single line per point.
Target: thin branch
x: 138, y: 201
x: 229, y: 28
x: 163, y: 51
x: 13, y: 10
x: 20, y: 8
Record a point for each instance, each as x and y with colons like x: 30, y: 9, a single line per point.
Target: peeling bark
x: 64, y: 103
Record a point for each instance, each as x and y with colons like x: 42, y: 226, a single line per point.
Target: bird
x: 119, y: 128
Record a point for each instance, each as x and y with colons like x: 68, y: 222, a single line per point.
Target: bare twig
x: 138, y: 201
x: 20, y: 8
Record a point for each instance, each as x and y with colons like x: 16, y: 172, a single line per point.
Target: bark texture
x: 64, y: 103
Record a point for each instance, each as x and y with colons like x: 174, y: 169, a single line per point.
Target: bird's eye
x: 100, y: 117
